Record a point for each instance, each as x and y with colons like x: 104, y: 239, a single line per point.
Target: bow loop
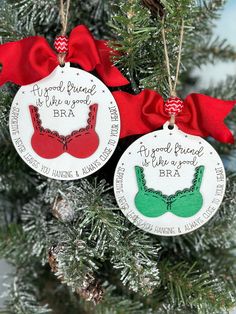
x: 140, y: 113
x: 83, y: 49
x: 204, y: 116
x: 26, y: 61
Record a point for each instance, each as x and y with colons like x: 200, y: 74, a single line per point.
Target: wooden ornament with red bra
x: 64, y: 121
x: 65, y: 126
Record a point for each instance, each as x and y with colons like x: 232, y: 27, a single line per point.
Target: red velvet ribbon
x: 202, y: 115
x: 31, y: 59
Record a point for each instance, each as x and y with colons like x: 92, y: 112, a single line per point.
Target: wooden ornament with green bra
x: 185, y: 203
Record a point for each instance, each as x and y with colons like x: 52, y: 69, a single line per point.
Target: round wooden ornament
x: 65, y: 126
x: 169, y: 183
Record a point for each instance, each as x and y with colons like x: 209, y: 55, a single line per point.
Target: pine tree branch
x: 101, y: 227
x: 194, y: 289
x: 22, y: 297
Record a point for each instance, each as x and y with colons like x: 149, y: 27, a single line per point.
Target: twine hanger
x: 64, y: 14
x: 172, y: 87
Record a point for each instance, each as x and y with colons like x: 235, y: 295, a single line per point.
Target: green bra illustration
x: 186, y: 203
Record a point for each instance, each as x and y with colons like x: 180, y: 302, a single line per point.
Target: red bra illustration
x: 50, y: 144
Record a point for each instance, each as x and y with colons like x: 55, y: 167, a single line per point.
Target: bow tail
x: 83, y: 49
x: 110, y: 74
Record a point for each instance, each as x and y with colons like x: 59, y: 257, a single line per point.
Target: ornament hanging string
x: 64, y: 14
x: 173, y: 87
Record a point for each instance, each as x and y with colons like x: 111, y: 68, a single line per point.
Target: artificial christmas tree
x: 75, y: 226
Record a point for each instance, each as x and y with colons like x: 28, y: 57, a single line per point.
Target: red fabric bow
x: 202, y: 115
x: 31, y: 59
